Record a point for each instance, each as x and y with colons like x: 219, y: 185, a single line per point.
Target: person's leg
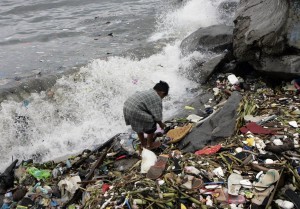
x: 151, y: 135
x: 150, y: 139
x: 142, y: 139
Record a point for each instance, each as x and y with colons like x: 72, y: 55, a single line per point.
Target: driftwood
x: 101, y: 147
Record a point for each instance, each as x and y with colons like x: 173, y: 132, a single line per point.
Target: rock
x: 257, y: 30
x: 7, y: 178
x: 286, y: 67
x: 216, y: 38
x: 220, y: 125
x: 269, y: 41
x: 293, y: 26
x: 201, y: 73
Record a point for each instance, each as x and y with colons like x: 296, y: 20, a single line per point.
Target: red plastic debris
x: 121, y: 157
x: 105, y: 187
x: 255, y: 129
x: 209, y: 150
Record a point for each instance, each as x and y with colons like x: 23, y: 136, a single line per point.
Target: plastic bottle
x: 39, y: 174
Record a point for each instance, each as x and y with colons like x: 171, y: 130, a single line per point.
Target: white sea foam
x: 182, y: 21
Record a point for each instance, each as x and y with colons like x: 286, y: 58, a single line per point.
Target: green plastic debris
x: 39, y: 174
x: 72, y: 207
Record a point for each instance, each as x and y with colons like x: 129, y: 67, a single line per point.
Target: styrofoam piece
x: 233, y: 79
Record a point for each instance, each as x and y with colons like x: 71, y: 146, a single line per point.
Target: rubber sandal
x: 158, y: 168
x: 267, y: 180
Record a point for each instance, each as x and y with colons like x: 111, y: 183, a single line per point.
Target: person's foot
x: 154, y: 145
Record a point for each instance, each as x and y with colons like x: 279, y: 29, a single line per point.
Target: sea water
x: 123, y: 46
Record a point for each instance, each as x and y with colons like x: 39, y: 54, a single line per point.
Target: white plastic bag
x: 148, y: 159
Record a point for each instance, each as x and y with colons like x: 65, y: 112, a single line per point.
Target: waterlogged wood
x: 100, y: 148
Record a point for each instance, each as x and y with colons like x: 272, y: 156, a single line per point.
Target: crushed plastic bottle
x: 127, y: 142
x: 39, y: 174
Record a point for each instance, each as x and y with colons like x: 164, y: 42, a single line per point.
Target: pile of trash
x: 258, y: 167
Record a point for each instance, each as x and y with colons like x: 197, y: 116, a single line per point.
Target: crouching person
x: 143, y: 111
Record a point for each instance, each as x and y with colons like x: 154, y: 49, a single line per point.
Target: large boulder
x: 202, y: 72
x: 220, y: 125
x: 216, y: 38
x: 259, y: 26
x: 217, y: 41
x: 266, y: 35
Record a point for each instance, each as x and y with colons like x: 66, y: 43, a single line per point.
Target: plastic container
x: 233, y: 79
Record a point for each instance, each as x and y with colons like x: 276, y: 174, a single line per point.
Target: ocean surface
x: 122, y: 46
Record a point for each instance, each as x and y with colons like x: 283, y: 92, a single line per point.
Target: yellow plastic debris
x: 250, y: 142
x: 189, y: 108
x: 182, y: 206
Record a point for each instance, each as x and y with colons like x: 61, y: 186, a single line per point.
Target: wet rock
x: 201, y: 71
x: 269, y: 41
x: 216, y: 38
x: 7, y: 178
x: 256, y: 29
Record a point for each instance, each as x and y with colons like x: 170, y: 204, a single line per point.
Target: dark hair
x: 162, y: 86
